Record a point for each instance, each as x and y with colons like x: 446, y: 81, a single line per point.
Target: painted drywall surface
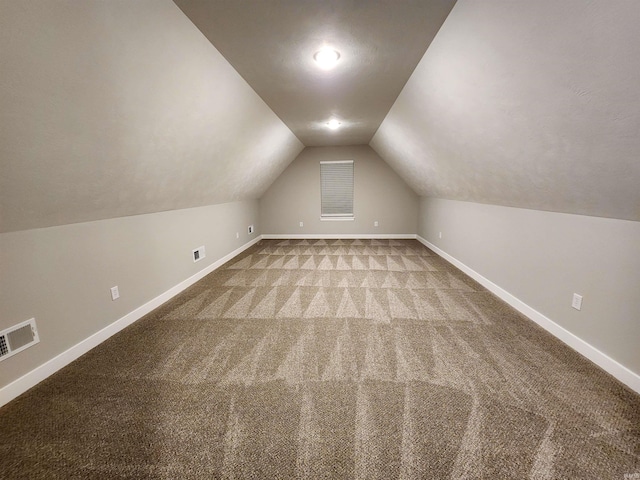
x: 62, y: 275
x: 116, y: 108
x: 525, y: 104
x: 271, y: 44
x: 543, y: 258
x: 379, y: 195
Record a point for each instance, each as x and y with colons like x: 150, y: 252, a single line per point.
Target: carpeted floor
x: 363, y: 359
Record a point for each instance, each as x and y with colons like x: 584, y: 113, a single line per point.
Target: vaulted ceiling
x: 525, y: 104
x: 271, y: 44
x: 118, y: 108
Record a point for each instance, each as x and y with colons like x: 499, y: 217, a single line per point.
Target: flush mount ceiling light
x: 326, y: 58
x: 333, y: 124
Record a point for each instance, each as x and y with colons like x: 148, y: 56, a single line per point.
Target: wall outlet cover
x: 250, y: 229
x: 115, y: 293
x: 198, y: 254
x: 576, y: 302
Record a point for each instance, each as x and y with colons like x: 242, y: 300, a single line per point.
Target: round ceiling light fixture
x: 333, y: 124
x: 326, y: 58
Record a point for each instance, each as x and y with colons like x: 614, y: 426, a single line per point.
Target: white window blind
x: 336, y: 180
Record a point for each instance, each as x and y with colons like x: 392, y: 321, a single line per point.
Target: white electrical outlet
x: 577, y: 301
x: 237, y: 234
x: 115, y: 293
x: 375, y: 224
x: 302, y: 224
x: 250, y: 229
x: 198, y: 254
x: 439, y: 234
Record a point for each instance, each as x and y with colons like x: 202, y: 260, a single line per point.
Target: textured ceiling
x: 110, y: 109
x: 118, y: 108
x: 525, y: 104
x: 271, y: 44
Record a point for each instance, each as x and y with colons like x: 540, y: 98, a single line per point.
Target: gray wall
x: 110, y: 112
x: 62, y: 275
x: 542, y: 258
x: 379, y: 194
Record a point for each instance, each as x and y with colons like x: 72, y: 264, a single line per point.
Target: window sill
x: 337, y: 219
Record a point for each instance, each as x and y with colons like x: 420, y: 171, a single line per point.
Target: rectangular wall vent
x: 17, y: 338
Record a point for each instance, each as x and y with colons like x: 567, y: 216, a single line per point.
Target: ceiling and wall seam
x: 532, y: 106
x: 114, y: 109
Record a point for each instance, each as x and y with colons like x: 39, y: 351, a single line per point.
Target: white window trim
x: 338, y: 219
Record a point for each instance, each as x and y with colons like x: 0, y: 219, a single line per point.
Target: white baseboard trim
x: 619, y: 371
x: 334, y: 236
x: 29, y: 380
x: 35, y: 376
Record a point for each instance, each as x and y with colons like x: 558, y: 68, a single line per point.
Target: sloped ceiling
x: 525, y: 104
x: 119, y: 108
x: 116, y: 108
x: 271, y: 44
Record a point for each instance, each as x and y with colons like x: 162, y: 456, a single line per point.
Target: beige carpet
x: 327, y: 359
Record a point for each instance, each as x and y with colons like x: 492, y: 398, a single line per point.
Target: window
x: 336, y: 180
